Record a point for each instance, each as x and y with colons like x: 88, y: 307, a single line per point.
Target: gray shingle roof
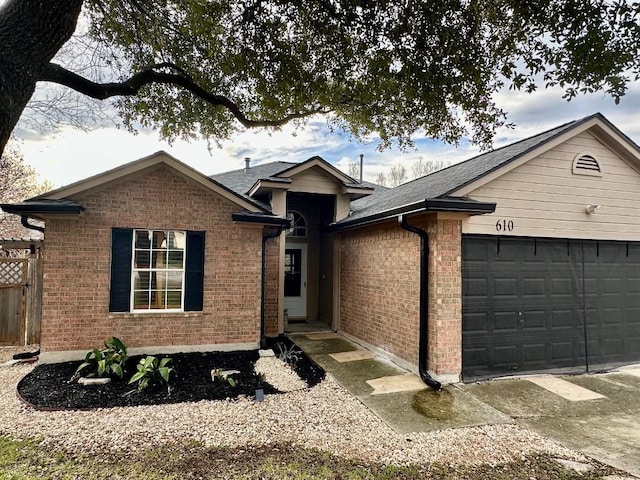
x: 240, y: 181
x: 444, y: 182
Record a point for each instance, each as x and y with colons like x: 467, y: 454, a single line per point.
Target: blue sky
x: 72, y: 154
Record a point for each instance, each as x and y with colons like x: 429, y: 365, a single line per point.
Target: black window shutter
x: 194, y: 272
x: 120, y: 292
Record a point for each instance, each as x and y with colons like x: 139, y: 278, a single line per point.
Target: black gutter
x: 265, y: 237
x: 457, y: 204
x: 451, y: 204
x: 24, y: 220
x: 263, y: 219
x: 42, y: 208
x: 424, y: 304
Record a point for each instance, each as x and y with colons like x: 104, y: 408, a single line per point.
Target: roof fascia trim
x: 524, y: 157
x: 428, y: 205
x: 30, y: 210
x: 267, y: 184
x: 137, y: 166
x: 316, y: 162
x: 240, y: 217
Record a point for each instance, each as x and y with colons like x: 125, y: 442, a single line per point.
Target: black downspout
x: 424, y: 303
x: 25, y: 223
x: 265, y: 237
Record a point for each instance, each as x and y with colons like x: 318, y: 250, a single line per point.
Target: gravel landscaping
x: 49, y: 386
x: 324, y: 417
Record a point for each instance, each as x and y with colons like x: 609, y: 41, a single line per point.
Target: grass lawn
x: 27, y: 460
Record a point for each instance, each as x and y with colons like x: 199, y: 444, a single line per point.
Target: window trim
x: 135, y: 270
x: 120, y: 273
x: 291, y: 215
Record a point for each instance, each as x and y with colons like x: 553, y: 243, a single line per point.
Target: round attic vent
x: 586, y: 164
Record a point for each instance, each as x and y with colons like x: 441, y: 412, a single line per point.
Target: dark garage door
x: 523, y: 305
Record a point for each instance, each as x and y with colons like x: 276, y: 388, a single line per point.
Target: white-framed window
x: 158, y: 270
x: 298, y: 224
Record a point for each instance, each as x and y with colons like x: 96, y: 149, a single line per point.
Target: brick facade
x: 380, y: 277
x: 271, y: 291
x: 379, y: 280
x: 77, y: 268
x: 445, y: 297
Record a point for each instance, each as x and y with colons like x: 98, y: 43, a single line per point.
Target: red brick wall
x: 445, y: 296
x: 271, y: 295
x: 380, y: 276
x: 77, y: 268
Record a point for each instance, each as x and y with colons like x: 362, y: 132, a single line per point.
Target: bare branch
x: 57, y: 74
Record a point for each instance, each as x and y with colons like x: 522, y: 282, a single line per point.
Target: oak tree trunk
x: 31, y: 33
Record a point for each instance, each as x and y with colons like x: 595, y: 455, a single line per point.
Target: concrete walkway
x: 597, y: 415
x: 398, y: 397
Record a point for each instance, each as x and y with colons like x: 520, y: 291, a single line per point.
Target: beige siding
x: 315, y: 180
x: 543, y: 198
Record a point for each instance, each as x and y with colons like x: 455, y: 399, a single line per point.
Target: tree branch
x: 57, y: 74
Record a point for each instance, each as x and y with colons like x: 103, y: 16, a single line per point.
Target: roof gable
x: 146, y: 164
x: 461, y: 178
x: 596, y: 124
x: 319, y: 163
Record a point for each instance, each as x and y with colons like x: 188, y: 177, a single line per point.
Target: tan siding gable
x: 315, y: 180
x: 544, y: 198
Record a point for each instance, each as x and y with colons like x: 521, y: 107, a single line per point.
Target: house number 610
x: 504, y: 225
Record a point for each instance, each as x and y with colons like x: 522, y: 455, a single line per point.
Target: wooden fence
x: 20, y: 299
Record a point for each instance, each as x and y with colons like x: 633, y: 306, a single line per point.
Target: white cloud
x: 72, y: 155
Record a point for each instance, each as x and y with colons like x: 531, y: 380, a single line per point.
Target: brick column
x: 445, y: 298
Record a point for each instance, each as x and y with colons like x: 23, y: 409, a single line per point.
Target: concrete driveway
x: 597, y: 414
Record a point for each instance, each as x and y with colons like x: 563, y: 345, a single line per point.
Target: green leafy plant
x: 290, y: 355
x: 219, y: 374
x: 152, y: 371
x: 104, y: 362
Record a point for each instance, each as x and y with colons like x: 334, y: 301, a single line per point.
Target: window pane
x: 174, y: 299
x: 141, y: 300
x: 174, y: 280
x: 158, y: 270
x: 175, y: 259
x: 156, y: 300
x: 176, y: 240
x: 141, y: 280
x: 142, y: 259
x: 143, y: 239
x: 159, y: 239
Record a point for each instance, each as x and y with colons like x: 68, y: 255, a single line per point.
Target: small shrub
x: 219, y: 374
x: 290, y: 355
x: 152, y: 371
x: 104, y: 362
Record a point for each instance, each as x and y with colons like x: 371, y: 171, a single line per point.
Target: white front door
x: 295, y: 280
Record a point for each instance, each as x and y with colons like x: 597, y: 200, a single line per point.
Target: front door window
x: 292, y: 272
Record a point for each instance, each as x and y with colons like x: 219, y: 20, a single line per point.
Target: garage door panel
x: 534, y: 320
x: 505, y: 287
x: 563, y: 354
x: 563, y: 319
x: 534, y: 353
x: 523, y: 303
x: 477, y: 287
x: 562, y: 287
x: 506, y: 357
x: 633, y: 316
x: 612, y: 317
x: 505, y: 322
x: 535, y: 287
x: 475, y: 323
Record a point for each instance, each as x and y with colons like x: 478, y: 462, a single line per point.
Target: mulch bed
x: 48, y: 386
